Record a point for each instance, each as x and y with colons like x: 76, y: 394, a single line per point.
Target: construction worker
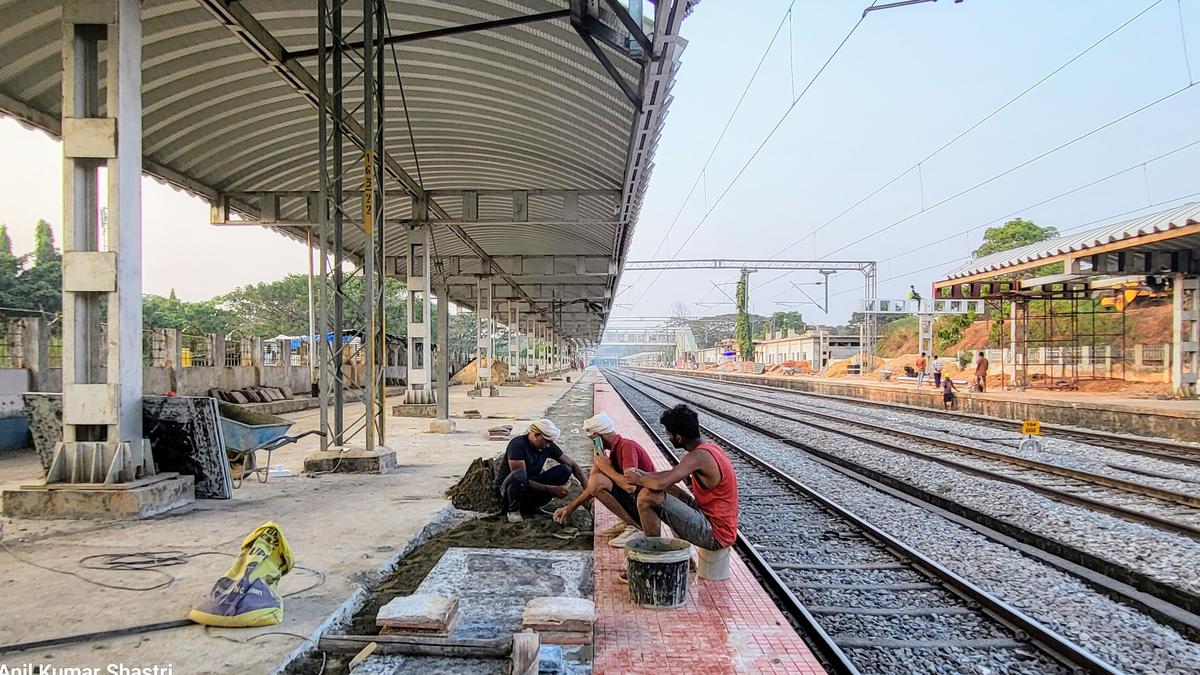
x: 523, y: 484
x: 607, y: 481
x: 920, y: 366
x: 981, y: 370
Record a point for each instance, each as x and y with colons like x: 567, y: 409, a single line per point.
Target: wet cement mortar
x: 492, y: 531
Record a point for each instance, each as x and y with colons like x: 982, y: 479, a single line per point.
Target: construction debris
x: 474, y: 491
x: 470, y: 373
x: 500, y: 433
x: 471, y: 414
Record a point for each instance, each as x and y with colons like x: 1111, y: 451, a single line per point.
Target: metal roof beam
x: 254, y: 35
x: 450, y: 30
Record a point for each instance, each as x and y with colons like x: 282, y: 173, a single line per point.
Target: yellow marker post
x: 1031, y: 428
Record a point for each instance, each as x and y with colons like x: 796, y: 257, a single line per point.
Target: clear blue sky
x: 908, y: 80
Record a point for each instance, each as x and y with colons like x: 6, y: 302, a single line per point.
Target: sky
x: 906, y: 81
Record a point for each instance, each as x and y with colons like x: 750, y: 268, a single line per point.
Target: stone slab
x: 419, y: 610
x: 88, y: 502
x: 442, y: 426
x: 414, y: 410
x: 565, y: 614
x: 351, y: 460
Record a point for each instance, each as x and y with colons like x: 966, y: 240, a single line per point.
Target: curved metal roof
x: 229, y: 109
x: 1181, y: 221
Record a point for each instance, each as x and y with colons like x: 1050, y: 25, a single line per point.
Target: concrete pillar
x: 35, y: 352
x: 925, y: 339
x: 1185, y: 343
x: 1139, y: 354
x: 484, y: 335
x: 420, y: 328
x: 103, y: 440
x: 442, y: 360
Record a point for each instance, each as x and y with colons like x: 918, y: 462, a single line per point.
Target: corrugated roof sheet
x: 1126, y: 231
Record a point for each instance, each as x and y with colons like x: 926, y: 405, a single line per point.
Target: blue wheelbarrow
x: 248, y: 431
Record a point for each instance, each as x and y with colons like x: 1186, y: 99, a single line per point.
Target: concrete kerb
x: 444, y: 520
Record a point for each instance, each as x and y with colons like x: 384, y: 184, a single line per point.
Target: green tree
x: 744, y: 341
x: 10, y: 269
x: 40, y: 285
x: 1013, y: 234
x: 783, y: 322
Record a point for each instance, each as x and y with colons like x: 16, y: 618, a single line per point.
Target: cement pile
x: 470, y: 373
x: 474, y: 491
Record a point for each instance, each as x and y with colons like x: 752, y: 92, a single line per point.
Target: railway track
x: 868, y: 601
x: 1165, y: 600
x: 1163, y: 509
x: 1170, y: 451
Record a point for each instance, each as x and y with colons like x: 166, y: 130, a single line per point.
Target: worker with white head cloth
x: 607, y: 482
x: 523, y: 484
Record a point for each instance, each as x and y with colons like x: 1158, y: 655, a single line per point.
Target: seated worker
x: 710, y: 519
x: 521, y: 485
x: 948, y: 398
x: 607, y: 481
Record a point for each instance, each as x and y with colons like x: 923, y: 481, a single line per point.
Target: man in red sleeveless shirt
x: 709, y: 520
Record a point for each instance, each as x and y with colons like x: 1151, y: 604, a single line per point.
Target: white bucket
x: 712, y: 565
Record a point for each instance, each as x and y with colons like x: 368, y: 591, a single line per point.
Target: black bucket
x: 657, y: 568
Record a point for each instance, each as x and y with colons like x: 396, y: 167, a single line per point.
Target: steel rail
x: 1180, y: 606
x: 1166, y: 450
x: 1169, y: 496
x: 1050, y: 642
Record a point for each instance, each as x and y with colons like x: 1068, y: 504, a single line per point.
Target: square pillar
x: 484, y: 335
x: 420, y: 327
x: 102, y: 380
x: 103, y: 445
x: 1185, y: 343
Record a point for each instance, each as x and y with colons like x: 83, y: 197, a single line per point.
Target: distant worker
x: 709, y: 520
x: 921, y: 366
x: 607, y: 481
x: 937, y: 371
x: 949, y: 400
x: 523, y: 484
x: 981, y: 368
x: 913, y: 294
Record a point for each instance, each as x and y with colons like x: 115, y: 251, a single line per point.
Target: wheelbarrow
x: 246, y: 432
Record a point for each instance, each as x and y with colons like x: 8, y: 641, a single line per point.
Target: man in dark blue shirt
x: 523, y: 484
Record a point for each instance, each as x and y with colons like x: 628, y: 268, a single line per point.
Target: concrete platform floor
x: 346, y: 526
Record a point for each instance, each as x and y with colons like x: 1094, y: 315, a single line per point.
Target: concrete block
x: 566, y: 614
x: 441, y: 426
x: 414, y: 410
x: 90, y: 137
x: 351, y: 460
x: 90, y: 271
x: 131, y: 501
x: 420, y: 611
x: 90, y: 404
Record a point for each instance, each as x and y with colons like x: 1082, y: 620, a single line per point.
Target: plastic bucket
x: 657, y: 568
x: 712, y: 565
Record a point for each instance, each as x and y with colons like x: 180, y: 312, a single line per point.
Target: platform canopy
x: 534, y: 124
x: 1158, y: 243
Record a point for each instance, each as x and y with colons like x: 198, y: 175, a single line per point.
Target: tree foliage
x: 782, y: 322
x: 745, y: 342
x: 1013, y: 234
x: 31, y: 281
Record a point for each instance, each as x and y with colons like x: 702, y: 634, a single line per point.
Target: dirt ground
x: 493, y: 531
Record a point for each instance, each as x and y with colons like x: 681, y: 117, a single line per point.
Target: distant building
x: 818, y: 347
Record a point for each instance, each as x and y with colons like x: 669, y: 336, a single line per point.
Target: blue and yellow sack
x: 247, y: 596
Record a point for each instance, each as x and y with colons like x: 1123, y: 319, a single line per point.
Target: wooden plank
x: 418, y: 645
x: 525, y: 648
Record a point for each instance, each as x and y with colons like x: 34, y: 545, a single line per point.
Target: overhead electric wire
x: 968, y: 130
x: 720, y: 137
x: 1063, y: 231
x: 1013, y: 169
x: 758, y: 149
x: 1043, y: 202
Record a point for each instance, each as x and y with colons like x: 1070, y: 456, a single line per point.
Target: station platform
x: 1177, y: 420
x: 350, y: 528
x: 729, y: 626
